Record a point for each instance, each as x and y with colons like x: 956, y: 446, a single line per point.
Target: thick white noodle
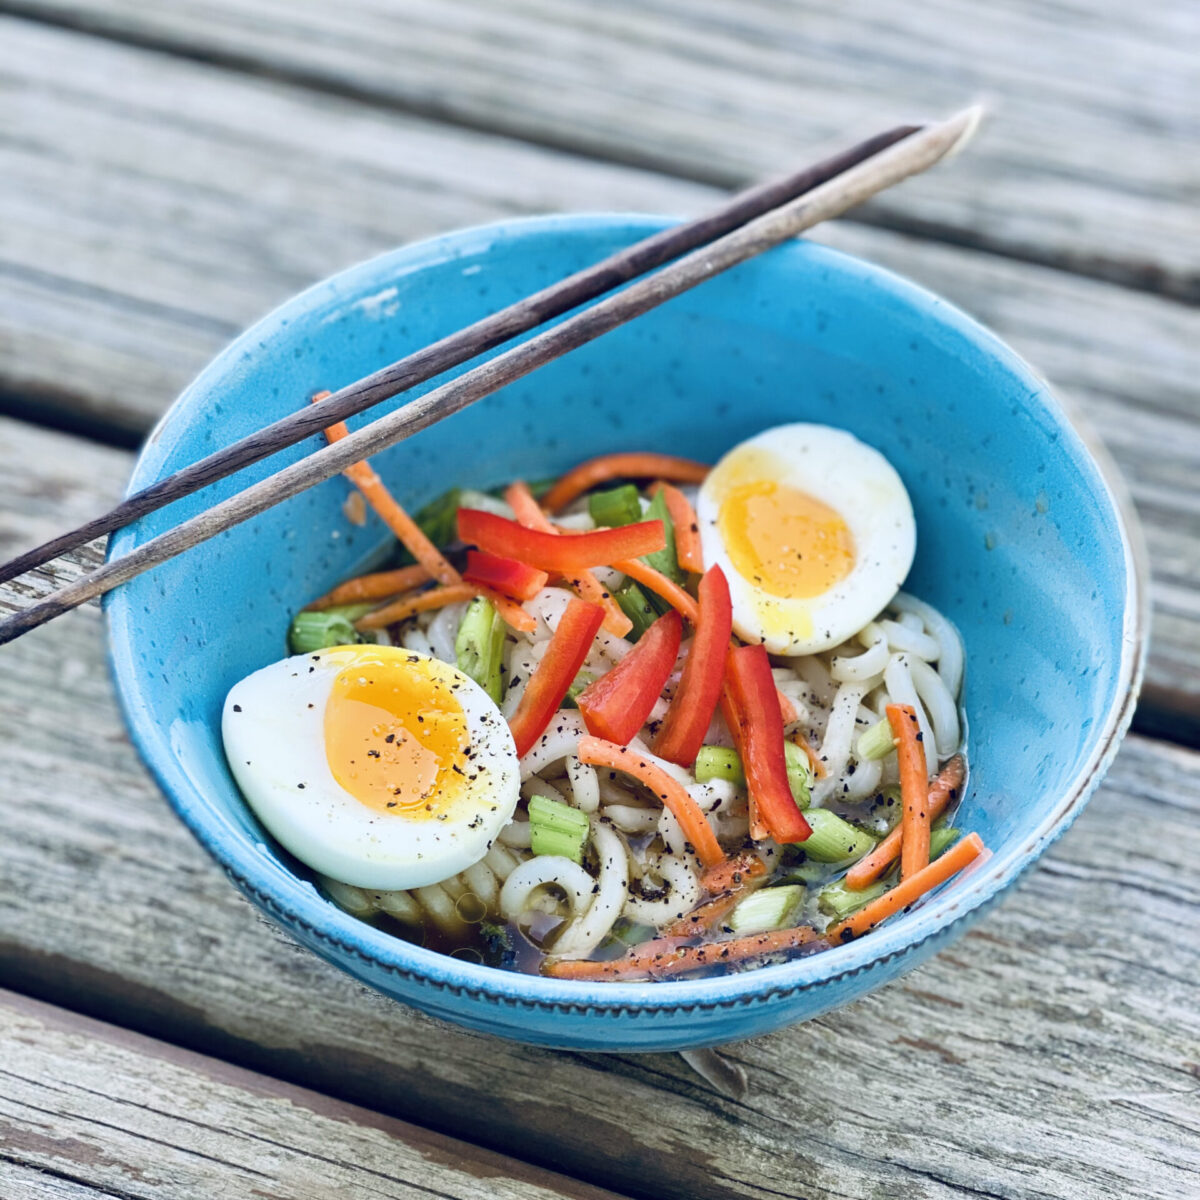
x: 413, y: 639
x: 682, y: 895
x: 631, y: 818
x: 455, y: 886
x: 558, y: 742
x: 943, y: 712
x: 950, y: 662
x: 586, y: 932
x: 920, y: 645
x: 355, y: 901
x: 713, y: 796
x: 671, y: 832
x: 839, y: 736
x: 535, y: 785
x: 535, y: 873
x: 864, y: 782
x: 516, y: 833
x: 912, y: 621
x: 898, y: 679
x: 862, y: 666
x: 482, y: 883
x: 400, y: 905
x: 443, y: 629
x: 611, y: 791
x: 439, y: 907
x: 502, y: 862
x: 585, y: 787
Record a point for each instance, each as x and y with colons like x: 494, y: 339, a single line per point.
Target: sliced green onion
x: 838, y: 901
x: 479, y: 646
x: 311, y: 631
x: 877, y: 742
x: 578, y: 684
x: 766, y: 909
x: 663, y: 560
x: 719, y: 762
x: 833, y: 839
x: 617, y: 506
x: 556, y: 828
x: 941, y: 838
x: 808, y: 872
x: 636, y: 607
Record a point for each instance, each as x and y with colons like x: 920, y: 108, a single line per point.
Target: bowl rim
x: 297, y: 904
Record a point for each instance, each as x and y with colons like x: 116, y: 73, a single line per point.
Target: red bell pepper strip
x: 548, y: 551
x: 687, y: 720
x: 555, y: 673
x: 759, y: 738
x: 618, y: 704
x: 506, y: 575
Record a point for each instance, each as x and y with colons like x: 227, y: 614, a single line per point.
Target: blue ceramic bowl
x: 1022, y: 542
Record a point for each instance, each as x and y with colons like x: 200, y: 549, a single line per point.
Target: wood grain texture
x: 1092, y: 161
x: 136, y: 238
x: 1050, y: 1053
x: 115, y: 1114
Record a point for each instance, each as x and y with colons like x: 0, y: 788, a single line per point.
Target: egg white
x: 856, y: 481
x: 273, y: 729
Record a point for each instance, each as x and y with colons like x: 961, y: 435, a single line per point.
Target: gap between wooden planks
x: 120, y: 279
x: 1051, y: 1051
x: 1091, y: 163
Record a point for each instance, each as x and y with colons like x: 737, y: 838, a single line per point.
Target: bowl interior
x: 1020, y: 543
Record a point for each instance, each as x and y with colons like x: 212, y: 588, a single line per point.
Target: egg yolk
x: 783, y: 540
x: 396, y: 737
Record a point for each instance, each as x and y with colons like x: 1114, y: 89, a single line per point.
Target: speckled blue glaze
x: 1021, y: 542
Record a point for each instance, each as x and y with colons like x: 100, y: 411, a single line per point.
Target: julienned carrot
x: 687, y: 527
x: 814, y: 760
x: 907, y: 891
x: 658, y: 583
x: 688, y: 813
x: 409, y: 606
x: 914, y: 789
x: 633, y: 465
x: 942, y: 792
x: 787, y: 710
x: 529, y: 513
x: 750, y: 870
x: 732, y: 872
x: 666, y: 956
x: 378, y: 586
x: 411, y: 536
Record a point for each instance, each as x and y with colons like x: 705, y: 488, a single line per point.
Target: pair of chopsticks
x: 750, y: 223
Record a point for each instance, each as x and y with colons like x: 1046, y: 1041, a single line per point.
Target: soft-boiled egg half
x: 814, y: 531
x: 374, y: 765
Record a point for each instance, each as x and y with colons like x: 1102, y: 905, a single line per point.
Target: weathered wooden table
x: 169, y: 171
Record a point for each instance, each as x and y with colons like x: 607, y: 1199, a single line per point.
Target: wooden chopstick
x: 889, y: 166
x: 460, y: 346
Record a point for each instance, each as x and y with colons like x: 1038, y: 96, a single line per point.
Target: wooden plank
x: 1091, y: 161
x: 257, y: 189
x: 115, y: 1114
x: 1051, y: 1053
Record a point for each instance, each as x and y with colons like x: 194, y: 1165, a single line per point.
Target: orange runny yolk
x: 783, y: 540
x: 396, y: 737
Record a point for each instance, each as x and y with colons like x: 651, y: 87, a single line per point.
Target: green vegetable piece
x: 624, y: 935
x: 580, y: 682
x: 557, y: 828
x: 833, y: 839
x: 636, y: 607
x: 877, y: 742
x: 941, y: 838
x: 719, y: 762
x: 663, y: 560
x: 479, y: 646
x: 312, y: 631
x: 766, y: 909
x: 838, y: 901
x: 617, y: 506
